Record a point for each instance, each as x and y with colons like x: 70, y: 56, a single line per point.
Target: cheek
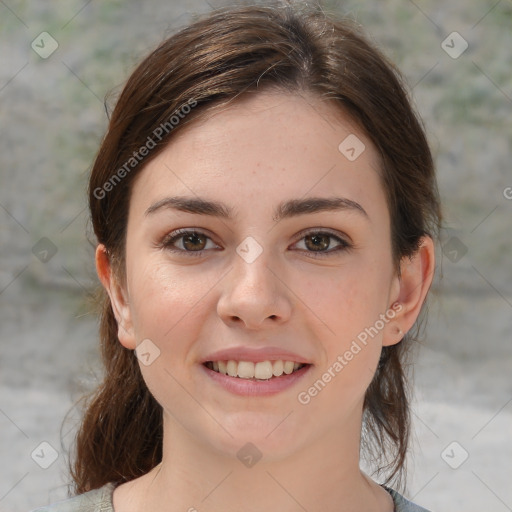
x: 168, y: 308
x: 164, y: 300
x: 352, y: 306
x: 352, y: 299
x: 351, y: 349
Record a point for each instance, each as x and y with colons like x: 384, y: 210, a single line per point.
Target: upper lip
x: 255, y: 355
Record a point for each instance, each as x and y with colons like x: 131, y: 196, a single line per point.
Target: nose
x: 254, y: 295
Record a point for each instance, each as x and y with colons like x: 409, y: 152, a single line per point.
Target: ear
x: 118, y: 297
x: 410, y: 290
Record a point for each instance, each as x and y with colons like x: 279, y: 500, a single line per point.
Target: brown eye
x: 321, y: 243
x: 188, y: 241
x: 194, y: 242
x: 317, y: 242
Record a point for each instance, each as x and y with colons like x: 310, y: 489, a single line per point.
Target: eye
x: 320, y: 243
x: 188, y: 240
x: 194, y: 243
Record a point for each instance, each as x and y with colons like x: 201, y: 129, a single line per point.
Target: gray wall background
x: 52, y: 119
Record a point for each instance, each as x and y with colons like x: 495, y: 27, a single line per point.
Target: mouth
x: 259, y: 371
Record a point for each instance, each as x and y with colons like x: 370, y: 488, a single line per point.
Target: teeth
x: 277, y: 367
x: 232, y: 368
x: 262, y: 370
x: 288, y: 367
x: 245, y: 369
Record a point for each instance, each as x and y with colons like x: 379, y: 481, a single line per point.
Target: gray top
x: 100, y: 500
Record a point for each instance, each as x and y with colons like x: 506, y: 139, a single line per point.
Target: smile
x: 247, y: 378
x: 263, y: 370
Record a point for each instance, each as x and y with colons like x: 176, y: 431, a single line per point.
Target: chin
x: 275, y: 437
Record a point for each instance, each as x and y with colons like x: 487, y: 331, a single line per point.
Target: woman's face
x: 267, y: 271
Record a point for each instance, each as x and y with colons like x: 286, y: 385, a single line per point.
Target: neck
x: 322, y: 476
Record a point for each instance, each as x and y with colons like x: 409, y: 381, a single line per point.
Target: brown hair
x: 220, y: 56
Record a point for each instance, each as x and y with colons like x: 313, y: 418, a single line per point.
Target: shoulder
x: 402, y: 504
x: 97, y: 500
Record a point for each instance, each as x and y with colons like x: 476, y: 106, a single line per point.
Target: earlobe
x: 416, y: 274
x: 118, y: 299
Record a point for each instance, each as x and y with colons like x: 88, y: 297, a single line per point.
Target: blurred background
x: 59, y: 60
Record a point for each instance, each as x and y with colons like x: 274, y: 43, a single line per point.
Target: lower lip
x: 249, y: 387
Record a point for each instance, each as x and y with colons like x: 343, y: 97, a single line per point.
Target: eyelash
x: 170, y: 239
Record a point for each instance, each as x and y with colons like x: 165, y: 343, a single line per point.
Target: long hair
x: 225, y: 54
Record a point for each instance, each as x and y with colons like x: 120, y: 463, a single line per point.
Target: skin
x: 253, y: 155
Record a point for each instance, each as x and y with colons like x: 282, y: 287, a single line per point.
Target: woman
x: 266, y: 208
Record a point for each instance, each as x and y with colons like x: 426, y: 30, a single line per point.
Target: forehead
x: 262, y: 148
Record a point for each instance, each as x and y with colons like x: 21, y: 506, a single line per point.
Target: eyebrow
x: 284, y: 210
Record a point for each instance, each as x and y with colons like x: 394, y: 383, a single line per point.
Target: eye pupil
x: 319, y: 241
